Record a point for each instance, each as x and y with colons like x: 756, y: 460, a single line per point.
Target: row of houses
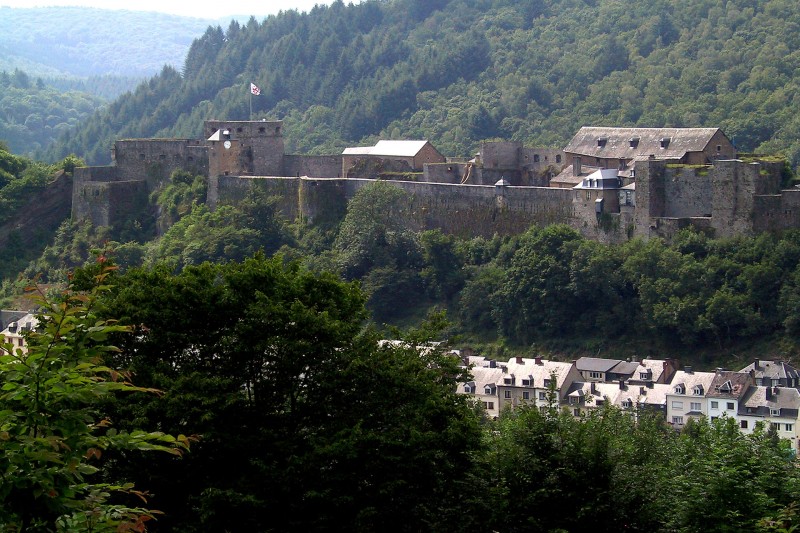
x: 765, y: 391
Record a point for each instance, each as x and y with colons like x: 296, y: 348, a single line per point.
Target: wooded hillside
x: 460, y: 71
x: 78, y: 41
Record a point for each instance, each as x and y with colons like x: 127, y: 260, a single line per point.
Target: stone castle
x: 610, y: 184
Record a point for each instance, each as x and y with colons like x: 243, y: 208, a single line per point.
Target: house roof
x: 691, y: 379
x: 595, y: 364
x: 654, y: 366
x: 529, y: 369
x: 628, y: 143
x: 604, y: 178
x: 728, y: 384
x: 755, y: 402
x: 25, y: 322
x: 568, y: 177
x: 388, y: 149
x: 771, y: 369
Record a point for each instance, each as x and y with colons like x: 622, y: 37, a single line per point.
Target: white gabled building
x: 520, y: 381
x: 14, y: 332
x: 777, y: 407
x: 687, y: 396
x: 529, y: 381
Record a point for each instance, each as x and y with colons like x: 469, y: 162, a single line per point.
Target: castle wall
x: 687, y: 192
x: 649, y: 195
x: 448, y: 172
x: 501, y: 154
x: 153, y: 160
x: 107, y: 203
x: 316, y: 166
x: 768, y: 213
x: 790, y: 207
x: 734, y: 186
x: 470, y: 210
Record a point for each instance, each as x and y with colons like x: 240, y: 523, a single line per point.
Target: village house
x: 17, y: 325
x: 687, y: 398
x: 773, y: 373
x: 775, y: 407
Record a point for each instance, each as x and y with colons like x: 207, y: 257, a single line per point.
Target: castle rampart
x: 154, y: 160
x: 504, y: 190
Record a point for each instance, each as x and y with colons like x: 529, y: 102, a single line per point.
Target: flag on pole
x: 254, y: 89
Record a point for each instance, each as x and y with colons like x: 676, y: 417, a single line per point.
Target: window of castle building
x: 558, y: 158
x: 535, y: 158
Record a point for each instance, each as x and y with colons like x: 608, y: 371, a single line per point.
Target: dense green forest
x: 457, y: 72
x: 84, y: 42
x: 256, y: 396
x: 33, y: 114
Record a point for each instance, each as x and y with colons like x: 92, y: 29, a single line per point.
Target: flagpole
x: 251, y: 105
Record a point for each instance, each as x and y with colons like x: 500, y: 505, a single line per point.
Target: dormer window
x: 664, y: 142
x: 488, y: 389
x: 526, y: 382
x: 507, y: 381
x: 627, y: 404
x: 698, y: 390
x: 645, y: 375
x: 601, y: 142
x: 680, y: 390
x: 775, y: 412
x: 547, y: 383
x: 468, y: 389
x: 634, y: 142
x: 726, y: 387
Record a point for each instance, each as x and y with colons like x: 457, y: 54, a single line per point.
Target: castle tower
x: 242, y: 148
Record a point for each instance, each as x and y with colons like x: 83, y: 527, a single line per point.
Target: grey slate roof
x: 771, y: 369
x: 755, y: 402
x: 738, y: 383
x: 617, y: 143
x: 596, y: 364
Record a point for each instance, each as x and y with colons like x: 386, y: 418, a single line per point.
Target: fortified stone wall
x: 153, y: 160
x: 316, y: 166
x: 687, y: 192
x: 447, y: 172
x: 108, y: 203
x: 734, y: 185
x: 768, y: 213
x: 501, y: 154
x: 790, y: 206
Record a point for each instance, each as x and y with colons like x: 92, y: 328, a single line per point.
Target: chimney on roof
x: 621, y: 383
x: 649, y: 384
x: 755, y: 364
x: 538, y: 360
x: 492, y: 363
x: 687, y: 369
x: 594, y: 388
x: 576, y: 166
x: 519, y: 360
x: 769, y: 394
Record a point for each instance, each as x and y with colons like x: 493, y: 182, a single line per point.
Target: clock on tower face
x: 226, y: 144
